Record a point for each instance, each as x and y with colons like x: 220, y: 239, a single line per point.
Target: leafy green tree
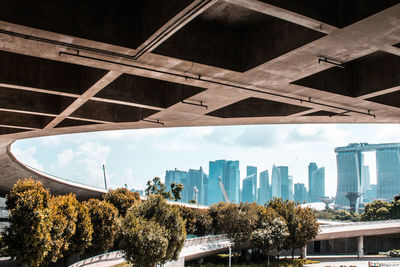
x: 64, y: 224
x: 28, y: 236
x: 122, y: 199
x: 301, y: 223
x: 104, y: 220
x: 82, y: 238
x: 395, y: 210
x: 145, y: 242
x: 377, y: 210
x: 338, y: 215
x: 236, y: 221
x: 203, y: 222
x: 176, y: 190
x: 270, y: 234
x: 155, y: 209
x: 156, y: 187
x: 188, y: 215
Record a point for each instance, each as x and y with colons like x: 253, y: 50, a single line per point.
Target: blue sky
x: 135, y: 156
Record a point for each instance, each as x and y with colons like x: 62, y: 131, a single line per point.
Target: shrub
x: 122, y: 199
x: 82, y: 238
x: 104, y: 220
x: 28, y: 236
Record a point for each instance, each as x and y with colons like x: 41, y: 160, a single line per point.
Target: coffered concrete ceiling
x: 79, y: 66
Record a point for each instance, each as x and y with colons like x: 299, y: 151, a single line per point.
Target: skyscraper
x: 365, y: 182
x: 251, y: 171
x: 178, y: 177
x: 276, y: 182
x: 284, y: 173
x: 229, y: 173
x: 388, y: 172
x: 232, y: 180
x: 248, y: 189
x: 290, y: 188
x: 318, y: 185
x: 312, y: 167
x: 264, y: 193
x: 300, y: 193
x: 196, y: 180
x: 216, y: 169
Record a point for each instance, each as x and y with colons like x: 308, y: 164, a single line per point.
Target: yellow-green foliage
x: 122, y: 199
x: 104, y: 219
x: 64, y: 216
x: 82, y: 238
x: 28, y: 237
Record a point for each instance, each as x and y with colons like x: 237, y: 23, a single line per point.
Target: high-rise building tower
x: 318, y: 185
x: 312, y: 167
x: 248, y: 189
x: 178, y: 177
x: 229, y: 173
x: 300, y: 193
x: 251, y: 171
x: 388, y: 172
x: 365, y: 183
x: 264, y: 192
x: 284, y: 172
x: 290, y: 188
x: 196, y: 180
x: 276, y: 184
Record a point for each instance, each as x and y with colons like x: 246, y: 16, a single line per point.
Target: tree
x: 188, y: 215
x: 301, y: 223
x: 377, y: 210
x: 122, y: 199
x: 271, y: 233
x: 395, y: 210
x: 145, y: 242
x: 64, y: 215
x: 236, y: 221
x: 82, y: 238
x: 28, y: 236
x: 154, y: 211
x: 176, y: 190
x: 156, y: 187
x: 104, y: 219
x: 203, y: 222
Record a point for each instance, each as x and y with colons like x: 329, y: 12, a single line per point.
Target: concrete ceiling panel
x: 6, y: 130
x: 147, y: 91
x: 24, y: 120
x: 391, y: 99
x: 109, y: 112
x: 22, y: 70
x: 126, y: 23
x: 32, y: 101
x: 365, y: 75
x: 235, y: 38
x: 257, y: 107
x: 339, y: 13
x: 72, y: 122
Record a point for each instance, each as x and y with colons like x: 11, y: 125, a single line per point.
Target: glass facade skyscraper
x: 388, y: 173
x: 251, y: 195
x: 276, y: 182
x: 318, y: 185
x: 196, y: 180
x: 248, y: 189
x: 300, y: 193
x: 178, y: 177
x: 229, y: 173
x: 284, y: 173
x: 353, y: 175
x: 312, y: 167
x: 264, y: 192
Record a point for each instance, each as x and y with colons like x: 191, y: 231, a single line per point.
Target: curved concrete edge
x: 11, y: 170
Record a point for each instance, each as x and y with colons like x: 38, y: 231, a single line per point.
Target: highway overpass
x: 81, y: 66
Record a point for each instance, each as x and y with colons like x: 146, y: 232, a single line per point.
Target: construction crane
x: 223, y: 190
x: 195, y: 193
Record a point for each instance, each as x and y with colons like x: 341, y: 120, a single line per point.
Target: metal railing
x: 383, y: 263
x: 360, y: 223
x: 110, y: 256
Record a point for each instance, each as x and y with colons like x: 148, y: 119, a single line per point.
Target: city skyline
x: 135, y: 156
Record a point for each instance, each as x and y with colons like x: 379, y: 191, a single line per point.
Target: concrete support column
x: 304, y: 252
x: 360, y: 246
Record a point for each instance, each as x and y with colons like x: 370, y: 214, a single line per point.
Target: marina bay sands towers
x: 353, y: 175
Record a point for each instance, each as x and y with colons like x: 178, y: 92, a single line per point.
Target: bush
x: 104, y: 220
x: 167, y: 223
x: 122, y: 199
x: 393, y: 253
x: 82, y: 238
x: 28, y: 237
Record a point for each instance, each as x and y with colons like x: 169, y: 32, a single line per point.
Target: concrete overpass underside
x: 79, y: 66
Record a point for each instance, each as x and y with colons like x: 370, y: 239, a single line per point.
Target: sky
x: 133, y: 157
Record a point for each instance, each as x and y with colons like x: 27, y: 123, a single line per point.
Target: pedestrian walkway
x: 353, y: 260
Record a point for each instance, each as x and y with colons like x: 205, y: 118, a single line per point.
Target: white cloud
x: 389, y: 131
x: 65, y: 157
x: 27, y: 157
